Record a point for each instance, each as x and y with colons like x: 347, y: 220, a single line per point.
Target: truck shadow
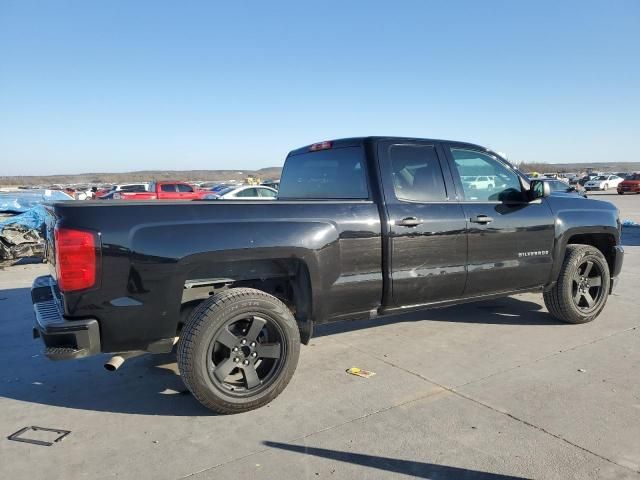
x: 393, y: 465
x: 146, y: 385
x: 503, y: 311
x: 150, y: 384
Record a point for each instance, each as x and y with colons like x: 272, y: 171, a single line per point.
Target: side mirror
x: 539, y: 189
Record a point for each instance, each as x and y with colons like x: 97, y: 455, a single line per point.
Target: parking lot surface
x: 491, y: 390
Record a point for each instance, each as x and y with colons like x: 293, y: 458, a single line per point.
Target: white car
x: 481, y: 183
x: 242, y: 192
x: 603, y: 182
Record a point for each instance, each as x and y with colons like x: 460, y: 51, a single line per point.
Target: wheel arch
x: 603, y: 238
x: 288, y: 279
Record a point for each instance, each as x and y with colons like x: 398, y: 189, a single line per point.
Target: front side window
x: 184, y: 188
x: 416, y: 172
x: 335, y: 173
x: 494, y: 181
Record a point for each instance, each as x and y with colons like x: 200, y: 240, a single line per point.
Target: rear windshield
x: 336, y: 173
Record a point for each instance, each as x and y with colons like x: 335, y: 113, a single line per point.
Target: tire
x: 228, y: 382
x: 620, y: 193
x: 566, y: 301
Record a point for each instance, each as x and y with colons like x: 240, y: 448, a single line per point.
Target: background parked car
x: 124, y: 187
x: 481, y: 182
x: 164, y: 190
x: 603, y: 182
x: 243, y: 192
x: 631, y: 184
x: 586, y: 179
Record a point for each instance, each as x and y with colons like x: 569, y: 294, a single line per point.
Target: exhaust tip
x: 114, y: 363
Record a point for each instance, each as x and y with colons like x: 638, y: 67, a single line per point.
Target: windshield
x: 635, y: 176
x: 601, y: 177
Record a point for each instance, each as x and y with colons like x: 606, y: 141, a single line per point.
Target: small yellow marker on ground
x: 360, y: 373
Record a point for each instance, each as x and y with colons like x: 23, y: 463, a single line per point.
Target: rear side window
x: 133, y: 188
x: 265, y: 192
x: 336, y: 173
x: 168, y: 187
x: 417, y: 176
x: 247, y: 192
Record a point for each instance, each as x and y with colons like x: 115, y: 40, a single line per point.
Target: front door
x: 510, y: 239
x: 428, y: 245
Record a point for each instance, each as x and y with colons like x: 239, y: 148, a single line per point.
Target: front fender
x: 576, y: 216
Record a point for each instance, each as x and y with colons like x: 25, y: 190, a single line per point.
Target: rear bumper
x: 618, y: 258
x: 63, y: 339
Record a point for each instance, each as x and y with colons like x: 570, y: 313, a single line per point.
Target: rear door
x: 426, y: 223
x: 167, y: 191
x: 510, y: 239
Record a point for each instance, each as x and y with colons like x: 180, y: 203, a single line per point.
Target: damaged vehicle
x: 22, y: 222
x: 362, y: 227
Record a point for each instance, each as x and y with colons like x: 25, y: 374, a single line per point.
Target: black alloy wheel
x: 587, y: 286
x: 245, y: 355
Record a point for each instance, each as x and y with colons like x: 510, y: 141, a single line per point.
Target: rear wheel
x: 582, y: 288
x: 238, y: 350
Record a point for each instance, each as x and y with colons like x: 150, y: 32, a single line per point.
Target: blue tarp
x: 22, y: 200
x: 32, y: 219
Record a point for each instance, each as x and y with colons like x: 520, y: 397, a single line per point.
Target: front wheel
x: 582, y: 288
x: 605, y: 187
x: 238, y: 350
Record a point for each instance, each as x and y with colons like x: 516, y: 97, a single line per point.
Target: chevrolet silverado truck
x: 361, y: 227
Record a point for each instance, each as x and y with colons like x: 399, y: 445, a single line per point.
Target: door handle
x: 481, y: 219
x: 409, y: 222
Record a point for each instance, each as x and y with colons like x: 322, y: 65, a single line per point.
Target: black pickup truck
x: 362, y: 227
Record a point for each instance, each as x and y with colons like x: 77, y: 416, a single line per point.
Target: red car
x: 165, y: 190
x: 630, y: 184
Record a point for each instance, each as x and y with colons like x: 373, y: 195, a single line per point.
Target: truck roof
x: 355, y: 141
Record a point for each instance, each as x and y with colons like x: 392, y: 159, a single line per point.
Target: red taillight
x: 320, y: 146
x: 75, y: 259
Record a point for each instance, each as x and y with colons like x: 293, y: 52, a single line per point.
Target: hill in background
x: 580, y: 167
x: 269, y: 173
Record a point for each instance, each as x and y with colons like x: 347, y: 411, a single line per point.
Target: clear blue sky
x: 125, y: 85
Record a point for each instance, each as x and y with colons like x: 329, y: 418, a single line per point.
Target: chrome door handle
x: 481, y: 219
x: 409, y: 222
